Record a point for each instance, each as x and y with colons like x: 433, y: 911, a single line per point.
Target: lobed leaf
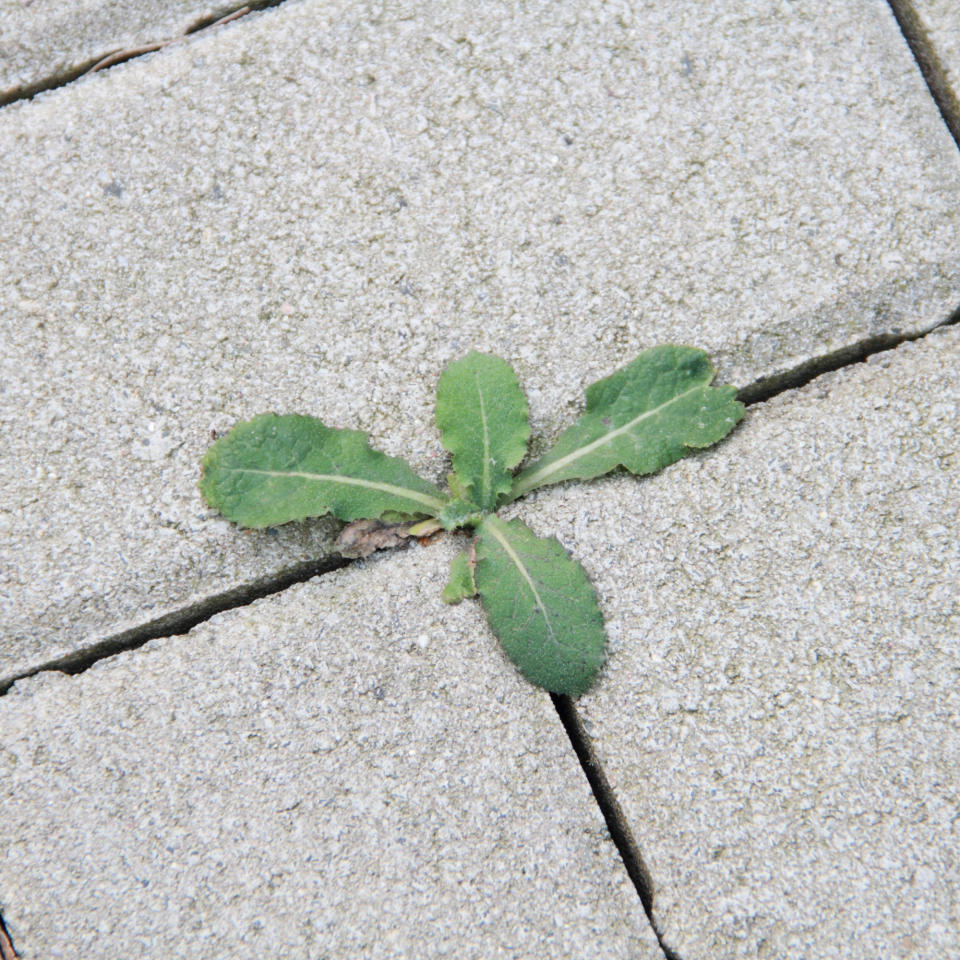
x: 482, y: 416
x: 274, y: 469
x: 540, y: 605
x: 643, y: 417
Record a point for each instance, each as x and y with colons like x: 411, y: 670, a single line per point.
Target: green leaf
x: 541, y: 605
x: 482, y: 415
x: 459, y: 513
x: 643, y: 417
x: 461, y: 582
x: 274, y: 469
x: 456, y: 490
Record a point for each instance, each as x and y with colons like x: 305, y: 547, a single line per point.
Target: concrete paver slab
x: 348, y: 769
x: 316, y: 209
x: 780, y: 715
x: 43, y: 42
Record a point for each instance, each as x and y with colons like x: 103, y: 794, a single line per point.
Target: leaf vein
x: 536, y: 479
x: 515, y: 558
x: 406, y: 492
x: 486, y: 442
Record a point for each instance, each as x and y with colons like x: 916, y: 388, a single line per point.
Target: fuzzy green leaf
x: 274, y: 469
x: 643, y: 417
x: 459, y: 513
x: 541, y: 605
x: 461, y: 582
x: 482, y: 415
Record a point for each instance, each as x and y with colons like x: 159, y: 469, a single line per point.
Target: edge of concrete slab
x: 928, y: 60
x: 800, y: 375
x: 175, y: 622
x: 616, y: 820
x: 213, y: 17
x: 7, y: 949
x: 182, y: 620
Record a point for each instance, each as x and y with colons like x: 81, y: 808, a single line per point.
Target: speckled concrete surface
x: 780, y: 714
x: 350, y: 769
x: 317, y: 207
x: 45, y: 42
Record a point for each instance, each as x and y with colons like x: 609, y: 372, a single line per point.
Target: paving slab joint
x: 177, y: 622
x: 226, y: 14
x: 7, y: 950
x: 770, y: 386
x: 925, y: 53
x: 104, y: 61
x: 613, y: 815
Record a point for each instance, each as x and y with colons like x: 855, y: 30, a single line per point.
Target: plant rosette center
x: 538, y: 600
x: 460, y: 513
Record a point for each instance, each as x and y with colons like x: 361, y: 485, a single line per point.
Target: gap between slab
x: 182, y: 621
x: 110, y: 58
x: 925, y: 53
x: 178, y: 622
x: 613, y: 815
x: 799, y: 376
x: 7, y: 951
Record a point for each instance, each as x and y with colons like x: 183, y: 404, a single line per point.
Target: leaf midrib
x: 405, y: 492
x: 485, y: 480
x: 491, y: 524
x: 536, y: 479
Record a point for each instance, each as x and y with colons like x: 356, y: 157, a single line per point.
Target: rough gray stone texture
x: 780, y: 714
x: 45, y: 42
x: 316, y: 208
x: 348, y: 769
x: 940, y: 20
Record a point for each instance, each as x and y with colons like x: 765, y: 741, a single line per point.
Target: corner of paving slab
x: 778, y: 715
